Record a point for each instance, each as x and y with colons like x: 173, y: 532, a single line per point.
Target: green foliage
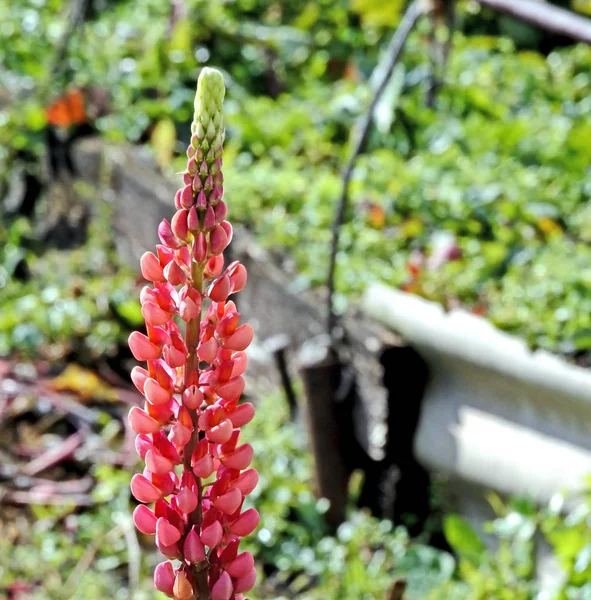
x: 94, y: 548
x: 80, y: 302
x: 66, y: 554
x: 499, y: 168
x: 510, y: 572
x: 364, y: 557
x: 463, y: 539
x: 87, y: 554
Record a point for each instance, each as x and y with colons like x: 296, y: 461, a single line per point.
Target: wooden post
x: 321, y: 377
x: 396, y: 592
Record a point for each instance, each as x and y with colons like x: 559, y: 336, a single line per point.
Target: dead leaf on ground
x: 84, y: 383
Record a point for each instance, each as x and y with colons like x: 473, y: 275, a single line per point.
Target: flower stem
x: 192, y: 331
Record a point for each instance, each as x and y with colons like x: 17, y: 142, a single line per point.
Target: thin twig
x: 443, y: 12
x: 434, y: 50
x: 86, y: 559
x: 396, y: 46
x: 133, y: 553
x: 277, y: 346
x: 43, y: 497
x: 78, y: 12
x: 55, y: 455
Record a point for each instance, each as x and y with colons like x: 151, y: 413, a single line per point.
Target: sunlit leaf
x: 378, y: 12
x: 84, y: 383
x: 163, y: 141
x: 463, y: 539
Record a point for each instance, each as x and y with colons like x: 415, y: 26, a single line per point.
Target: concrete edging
x: 495, y: 414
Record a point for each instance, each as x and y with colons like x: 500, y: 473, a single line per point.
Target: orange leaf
x: 67, y: 110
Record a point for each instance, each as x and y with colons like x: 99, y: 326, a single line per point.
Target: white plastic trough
x: 495, y: 414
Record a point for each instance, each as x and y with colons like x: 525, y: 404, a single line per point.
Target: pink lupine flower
x: 197, y: 474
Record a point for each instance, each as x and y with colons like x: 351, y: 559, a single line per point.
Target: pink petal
x: 242, y: 565
x: 242, y: 414
x: 239, y: 459
x: 142, y: 348
x: 246, y: 523
x: 141, y: 422
x: 164, y: 578
x: 211, y: 536
x: 241, y: 338
x: 156, y: 463
x: 220, y: 433
x: 193, y: 549
x: 247, y: 481
x: 144, y: 519
x: 246, y: 583
x: 231, y: 390
x: 229, y: 502
x: 187, y: 500
x: 154, y: 393
x: 150, y: 267
x: 143, y: 489
x: 167, y: 534
x: 222, y: 589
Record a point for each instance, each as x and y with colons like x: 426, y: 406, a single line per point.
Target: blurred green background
x: 480, y: 200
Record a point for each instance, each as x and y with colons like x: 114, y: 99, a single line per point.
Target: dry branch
x: 55, y: 455
x: 395, y: 49
x: 545, y: 16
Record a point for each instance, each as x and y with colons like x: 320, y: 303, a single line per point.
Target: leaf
x: 180, y: 40
x: 463, y: 539
x: 497, y: 504
x: 412, y: 228
x: 308, y: 17
x: 376, y: 216
x: 582, y: 6
x: 163, y: 141
x: 549, y: 226
x: 386, y: 107
x: 34, y: 116
x: 566, y: 543
x: 582, y: 340
x: 84, y: 383
x: 377, y: 12
x: 130, y: 311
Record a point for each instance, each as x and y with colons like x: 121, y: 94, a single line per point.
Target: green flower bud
x: 208, y: 121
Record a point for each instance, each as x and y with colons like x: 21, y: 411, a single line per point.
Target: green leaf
x: 582, y: 6
x: 377, y: 12
x: 163, y: 141
x: 131, y: 311
x: 180, y: 40
x: 463, y: 539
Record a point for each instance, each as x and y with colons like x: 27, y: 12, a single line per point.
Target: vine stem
x: 192, y: 331
x: 394, y: 50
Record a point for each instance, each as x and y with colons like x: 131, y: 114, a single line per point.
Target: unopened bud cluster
x: 197, y: 472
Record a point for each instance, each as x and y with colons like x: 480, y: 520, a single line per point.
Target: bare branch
x: 545, y: 16
x: 395, y: 49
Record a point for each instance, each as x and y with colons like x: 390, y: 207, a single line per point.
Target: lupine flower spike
x: 197, y: 473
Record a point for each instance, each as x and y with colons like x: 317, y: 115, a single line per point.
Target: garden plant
x: 202, y: 522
